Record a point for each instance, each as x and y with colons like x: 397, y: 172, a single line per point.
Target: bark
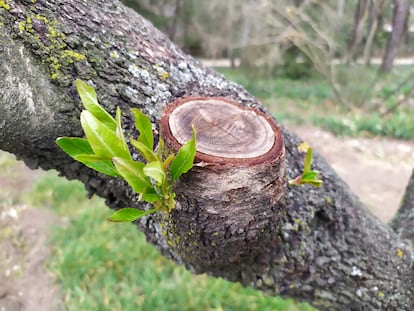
x: 318, y: 245
x: 399, y: 20
x: 403, y: 223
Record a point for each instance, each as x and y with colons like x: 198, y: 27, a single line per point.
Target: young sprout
x: 105, y: 150
x: 308, y: 176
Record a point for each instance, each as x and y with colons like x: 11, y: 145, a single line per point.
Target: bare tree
x: 399, y: 23
x: 357, y: 29
x: 319, y: 245
x: 375, y: 17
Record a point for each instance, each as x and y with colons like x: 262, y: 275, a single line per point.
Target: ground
x: 25, y: 284
x: 376, y: 169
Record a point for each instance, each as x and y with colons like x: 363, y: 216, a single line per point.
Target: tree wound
x: 227, y: 132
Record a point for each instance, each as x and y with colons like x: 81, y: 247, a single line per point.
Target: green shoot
x: 105, y: 150
x: 308, y: 176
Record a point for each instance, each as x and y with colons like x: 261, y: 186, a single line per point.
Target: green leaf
x: 74, y: 146
x: 168, y: 161
x: 133, y: 173
x: 184, y: 159
x: 315, y: 182
x: 120, y: 133
x: 80, y: 150
x: 307, y: 161
x: 89, y: 158
x: 98, y: 164
x: 144, y: 126
x: 155, y: 171
x: 150, y: 195
x: 160, y: 148
x: 103, y: 141
x: 147, y: 153
x: 90, y: 101
x: 129, y: 214
x: 310, y: 175
x: 105, y: 167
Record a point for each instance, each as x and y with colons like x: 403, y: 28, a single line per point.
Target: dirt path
x: 376, y: 169
x: 25, y: 283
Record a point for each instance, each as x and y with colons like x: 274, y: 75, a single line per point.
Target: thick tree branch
x: 403, y: 222
x: 318, y: 245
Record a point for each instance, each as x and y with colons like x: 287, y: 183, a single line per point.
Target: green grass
x: 311, y: 101
x: 107, y: 266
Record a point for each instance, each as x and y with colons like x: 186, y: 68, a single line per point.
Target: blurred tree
x: 399, y: 25
x: 375, y: 18
x: 357, y: 30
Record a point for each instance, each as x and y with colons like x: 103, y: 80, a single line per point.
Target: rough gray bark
x: 318, y: 245
x: 399, y: 21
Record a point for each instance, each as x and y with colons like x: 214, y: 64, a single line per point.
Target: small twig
x: 398, y: 103
x: 399, y: 87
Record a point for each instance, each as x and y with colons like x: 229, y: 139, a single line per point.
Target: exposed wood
x: 240, y: 152
x: 227, y: 132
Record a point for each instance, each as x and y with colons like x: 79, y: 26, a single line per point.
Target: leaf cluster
x: 308, y: 176
x: 105, y: 149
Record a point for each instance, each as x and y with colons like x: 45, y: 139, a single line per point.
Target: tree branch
x: 318, y: 245
x: 403, y: 222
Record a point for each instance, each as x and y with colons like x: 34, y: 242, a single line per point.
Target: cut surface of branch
x: 227, y: 132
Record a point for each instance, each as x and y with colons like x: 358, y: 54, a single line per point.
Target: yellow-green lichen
x: 26, y: 26
x: 4, y: 5
x: 42, y: 18
x: 164, y: 75
x: 114, y: 55
x: 54, y: 45
x: 399, y: 252
x: 380, y: 295
x: 72, y: 55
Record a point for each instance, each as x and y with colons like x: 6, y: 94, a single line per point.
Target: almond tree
x: 237, y: 216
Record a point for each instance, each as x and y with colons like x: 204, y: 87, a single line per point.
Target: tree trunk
x: 399, y: 20
x: 357, y: 30
x: 318, y: 245
x: 375, y: 15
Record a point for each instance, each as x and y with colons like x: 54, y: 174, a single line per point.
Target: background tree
x: 399, y: 26
x: 319, y: 245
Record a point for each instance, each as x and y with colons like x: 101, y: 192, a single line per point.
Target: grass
x: 105, y: 266
x: 311, y: 101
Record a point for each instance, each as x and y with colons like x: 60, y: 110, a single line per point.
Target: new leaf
x: 144, y: 126
x: 128, y: 214
x: 90, y: 101
x: 74, y: 146
x: 133, y: 173
x: 155, y: 171
x: 184, y: 160
x: 103, y: 141
x: 80, y: 150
